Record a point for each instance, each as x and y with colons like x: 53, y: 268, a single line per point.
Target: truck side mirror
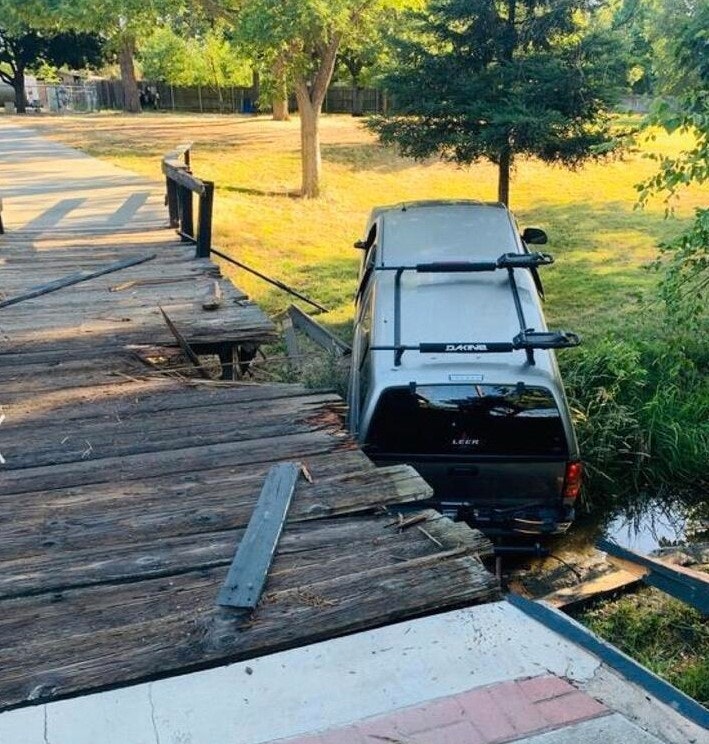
x: 534, y: 236
x: 361, y: 244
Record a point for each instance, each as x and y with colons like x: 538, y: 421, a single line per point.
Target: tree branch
x: 324, y: 73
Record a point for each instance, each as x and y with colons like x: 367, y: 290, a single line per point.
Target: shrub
x: 641, y: 409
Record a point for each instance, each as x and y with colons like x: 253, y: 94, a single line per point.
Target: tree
x: 685, y: 260
x: 304, y: 36
x: 495, y: 79
x: 123, y: 23
x: 200, y: 54
x: 23, y: 48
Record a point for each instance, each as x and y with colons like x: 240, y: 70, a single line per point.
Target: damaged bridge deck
x: 123, y: 495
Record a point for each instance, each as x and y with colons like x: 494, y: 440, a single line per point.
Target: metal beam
x: 576, y: 633
x: 249, y: 569
x: 318, y: 333
x: 79, y: 276
x: 682, y: 583
x: 274, y: 282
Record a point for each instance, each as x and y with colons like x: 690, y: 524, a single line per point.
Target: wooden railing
x: 182, y: 186
x: 181, y: 189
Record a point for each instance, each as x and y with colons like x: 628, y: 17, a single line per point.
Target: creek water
x: 645, y: 524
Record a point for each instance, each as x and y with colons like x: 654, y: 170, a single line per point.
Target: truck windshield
x: 468, y: 420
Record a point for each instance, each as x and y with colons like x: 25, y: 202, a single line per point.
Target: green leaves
x: 482, y: 77
x: 685, y: 263
x: 685, y: 260
x: 207, y: 58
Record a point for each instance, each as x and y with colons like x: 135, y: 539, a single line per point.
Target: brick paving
x: 500, y: 713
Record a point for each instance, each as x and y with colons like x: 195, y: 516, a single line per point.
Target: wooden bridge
x: 124, y: 492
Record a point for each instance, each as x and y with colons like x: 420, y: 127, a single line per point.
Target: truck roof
x: 447, y: 307
x: 444, y: 231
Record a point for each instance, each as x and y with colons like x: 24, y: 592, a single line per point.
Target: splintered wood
x: 125, y: 495
x: 111, y: 561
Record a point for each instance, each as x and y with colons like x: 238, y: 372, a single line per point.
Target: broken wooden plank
x: 318, y: 333
x: 75, y: 278
x: 186, y: 348
x: 213, y: 298
x: 682, y: 583
x: 249, y: 570
x: 598, y: 587
x: 291, y: 344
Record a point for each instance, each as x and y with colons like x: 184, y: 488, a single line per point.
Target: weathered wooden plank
x: 306, y: 552
x: 94, y: 637
x: 176, y: 461
x: 62, y: 443
x: 126, y: 399
x: 248, y: 572
x: 226, y: 325
x: 75, y: 278
x: 183, y: 287
x: 112, y: 514
x: 591, y: 590
x: 180, y: 176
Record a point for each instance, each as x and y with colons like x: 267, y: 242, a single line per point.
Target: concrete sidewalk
x: 36, y: 174
x: 475, y: 676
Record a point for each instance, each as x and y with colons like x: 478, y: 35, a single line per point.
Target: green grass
x: 649, y: 423
x: 665, y: 635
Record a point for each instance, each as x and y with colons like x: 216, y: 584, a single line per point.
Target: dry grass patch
x: 602, y: 243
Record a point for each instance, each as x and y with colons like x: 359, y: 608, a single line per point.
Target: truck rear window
x: 468, y: 420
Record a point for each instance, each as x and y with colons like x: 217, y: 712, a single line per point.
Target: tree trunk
x: 20, y: 93
x: 358, y: 101
x: 280, y: 109
x: 503, y: 182
x: 255, y: 90
x: 131, y: 95
x: 280, y: 91
x: 311, y: 162
x: 310, y: 100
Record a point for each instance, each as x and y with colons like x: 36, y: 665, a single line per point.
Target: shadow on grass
x: 582, y: 224
x: 289, y: 194
x: 369, y: 157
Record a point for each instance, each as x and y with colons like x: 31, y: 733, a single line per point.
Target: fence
x: 234, y: 99
x: 59, y: 98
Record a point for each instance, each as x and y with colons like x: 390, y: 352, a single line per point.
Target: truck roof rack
x: 527, y: 338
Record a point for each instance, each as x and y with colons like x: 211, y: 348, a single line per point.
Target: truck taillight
x: 572, y: 480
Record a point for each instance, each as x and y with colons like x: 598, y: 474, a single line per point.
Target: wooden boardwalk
x: 123, y: 494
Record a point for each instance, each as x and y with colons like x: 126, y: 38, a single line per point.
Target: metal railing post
x: 206, y: 207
